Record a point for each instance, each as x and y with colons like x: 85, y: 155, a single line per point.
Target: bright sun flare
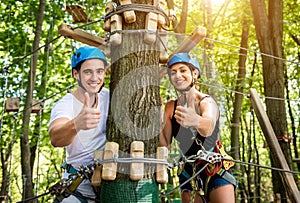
x: 218, y: 2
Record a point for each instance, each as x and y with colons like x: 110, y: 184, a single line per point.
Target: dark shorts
x: 214, y: 182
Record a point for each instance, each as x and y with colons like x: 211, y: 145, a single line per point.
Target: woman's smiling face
x: 181, y: 76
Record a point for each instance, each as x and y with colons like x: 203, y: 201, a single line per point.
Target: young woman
x: 193, y: 120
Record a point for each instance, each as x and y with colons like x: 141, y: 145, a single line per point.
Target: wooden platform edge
x: 81, y: 36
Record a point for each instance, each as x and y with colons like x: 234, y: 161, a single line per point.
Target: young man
x: 78, y: 120
x: 193, y: 119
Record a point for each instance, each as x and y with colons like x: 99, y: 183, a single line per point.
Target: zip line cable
x: 253, y: 51
x: 185, y: 182
x: 10, y: 152
x: 6, y: 68
x: 41, y: 101
x: 30, y: 53
x: 157, y: 32
x: 41, y: 110
x: 245, y: 94
x: 191, y: 159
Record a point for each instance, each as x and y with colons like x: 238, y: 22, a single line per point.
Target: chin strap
x: 80, y: 85
x: 101, y: 87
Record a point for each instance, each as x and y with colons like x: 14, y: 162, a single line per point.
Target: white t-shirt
x: 81, y: 150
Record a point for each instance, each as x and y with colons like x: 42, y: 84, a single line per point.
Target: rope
x: 138, y: 7
x: 134, y: 31
x: 39, y: 102
x: 41, y: 110
x: 150, y: 8
x: 33, y: 198
x: 30, y: 53
x: 189, y: 159
x: 263, y: 166
x: 10, y: 154
x: 81, y: 196
x: 132, y: 160
x: 253, y: 51
x: 246, y: 94
x: 193, y: 158
x: 185, y: 182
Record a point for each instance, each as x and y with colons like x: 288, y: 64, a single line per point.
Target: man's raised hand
x: 88, y: 117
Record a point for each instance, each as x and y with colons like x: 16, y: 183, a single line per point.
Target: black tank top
x: 186, y: 136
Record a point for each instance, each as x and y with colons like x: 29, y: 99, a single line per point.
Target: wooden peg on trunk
x: 129, y: 16
x: 96, y: 178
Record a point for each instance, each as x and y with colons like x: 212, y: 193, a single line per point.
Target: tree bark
x: 208, y: 63
x: 134, y: 113
x: 6, y: 156
x: 25, y: 145
x: 269, y: 34
x: 237, y: 105
x: 180, y: 27
x: 293, y: 125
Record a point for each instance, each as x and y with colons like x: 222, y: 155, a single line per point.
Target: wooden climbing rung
x: 12, y: 104
x: 36, y: 106
x: 296, y: 160
x: 78, y: 13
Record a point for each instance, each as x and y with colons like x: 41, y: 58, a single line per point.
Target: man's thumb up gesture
x: 88, y: 117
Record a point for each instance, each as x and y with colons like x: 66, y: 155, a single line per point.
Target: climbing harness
x: 69, y: 168
x: 211, y: 162
x: 67, y: 186
x: 75, y: 179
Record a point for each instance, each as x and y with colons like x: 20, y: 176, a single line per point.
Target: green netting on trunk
x: 127, y: 191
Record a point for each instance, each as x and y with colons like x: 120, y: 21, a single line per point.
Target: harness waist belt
x: 69, y: 168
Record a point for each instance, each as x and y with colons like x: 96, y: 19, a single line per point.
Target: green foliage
x: 17, y: 26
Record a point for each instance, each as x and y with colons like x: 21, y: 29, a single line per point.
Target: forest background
x: 231, y: 57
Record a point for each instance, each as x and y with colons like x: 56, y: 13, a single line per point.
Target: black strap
x: 76, y: 194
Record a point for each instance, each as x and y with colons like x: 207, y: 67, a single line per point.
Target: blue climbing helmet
x: 184, y: 58
x: 87, y: 52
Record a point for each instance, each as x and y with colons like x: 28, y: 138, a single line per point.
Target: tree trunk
x: 25, y: 145
x: 181, y: 26
x: 269, y: 35
x: 237, y: 105
x: 208, y: 63
x: 134, y: 113
x: 41, y: 91
x: 244, y: 193
x: 236, y: 118
x: 293, y: 125
x: 257, y: 175
x: 6, y: 156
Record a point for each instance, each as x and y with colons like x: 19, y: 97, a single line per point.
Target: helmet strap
x: 80, y: 83
x: 101, y: 87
